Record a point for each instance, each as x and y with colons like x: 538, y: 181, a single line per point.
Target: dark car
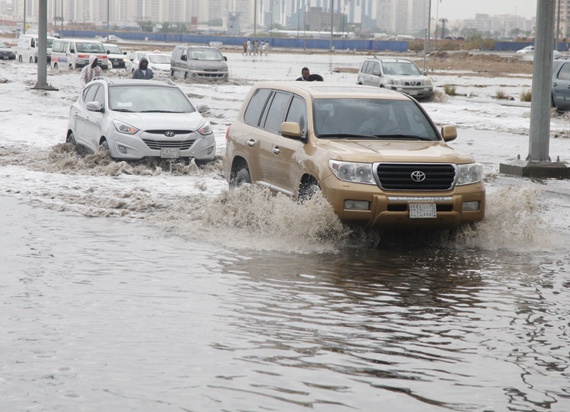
x: 561, y: 85
x: 6, y: 53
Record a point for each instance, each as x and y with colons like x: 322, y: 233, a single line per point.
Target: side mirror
x: 291, y: 129
x: 72, y: 50
x: 95, y: 107
x: 202, y: 108
x: 448, y: 133
x: 108, y: 51
x: 184, y: 57
x: 225, y: 59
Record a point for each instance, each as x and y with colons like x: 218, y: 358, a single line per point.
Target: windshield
x: 206, y: 54
x: 84, y: 47
x: 149, y: 99
x: 114, y: 49
x: 159, y: 58
x: 401, y: 68
x: 371, y: 119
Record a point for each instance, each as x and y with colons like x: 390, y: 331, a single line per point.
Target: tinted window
x: 276, y: 112
x: 298, y: 113
x: 256, y: 106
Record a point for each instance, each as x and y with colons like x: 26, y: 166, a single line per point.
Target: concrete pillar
x: 541, y: 82
x: 42, y: 48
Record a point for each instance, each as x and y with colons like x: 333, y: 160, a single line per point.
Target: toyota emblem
x: 418, y: 176
x: 169, y: 134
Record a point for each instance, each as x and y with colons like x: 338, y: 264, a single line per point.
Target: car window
x: 298, y: 113
x: 89, y: 94
x: 100, y: 96
x: 401, y: 68
x: 371, y: 118
x: 564, y: 73
x: 255, y: 107
x: 149, y: 99
x: 276, y: 112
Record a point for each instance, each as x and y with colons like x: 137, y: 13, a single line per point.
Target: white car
x: 159, y: 63
x: 526, y: 50
x: 117, y: 58
x: 137, y: 119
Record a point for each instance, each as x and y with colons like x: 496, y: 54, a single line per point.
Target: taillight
x: 228, y: 133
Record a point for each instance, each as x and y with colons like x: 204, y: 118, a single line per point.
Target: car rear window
x: 255, y: 107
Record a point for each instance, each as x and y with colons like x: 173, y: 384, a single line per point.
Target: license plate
x: 422, y: 210
x: 170, y: 153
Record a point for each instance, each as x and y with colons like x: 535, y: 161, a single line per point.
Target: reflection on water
x: 410, y: 330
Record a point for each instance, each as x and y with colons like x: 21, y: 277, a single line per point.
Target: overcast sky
x: 466, y: 9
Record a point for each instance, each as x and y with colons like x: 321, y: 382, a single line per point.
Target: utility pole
x: 332, y: 25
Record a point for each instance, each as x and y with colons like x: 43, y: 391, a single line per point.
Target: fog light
x: 471, y: 206
x: 122, y: 149
x: 356, y: 205
x: 210, y: 150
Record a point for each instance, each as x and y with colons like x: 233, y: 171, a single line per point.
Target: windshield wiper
x: 158, y: 111
x: 402, y: 136
x: 347, y: 135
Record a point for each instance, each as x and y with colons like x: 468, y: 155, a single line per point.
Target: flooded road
x: 101, y: 315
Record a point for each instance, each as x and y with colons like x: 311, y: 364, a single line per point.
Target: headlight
x: 125, y: 128
x: 353, y: 172
x: 427, y: 82
x: 398, y: 82
x: 469, y: 173
x: 205, y: 129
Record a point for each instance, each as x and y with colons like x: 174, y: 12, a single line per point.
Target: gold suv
x: 375, y: 154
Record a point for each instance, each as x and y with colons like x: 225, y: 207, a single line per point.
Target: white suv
x: 136, y: 119
x: 397, y: 74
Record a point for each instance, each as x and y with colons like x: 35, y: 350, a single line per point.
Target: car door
x: 270, y: 164
x: 80, y: 116
x: 94, y: 121
x: 561, y: 87
x: 287, y: 152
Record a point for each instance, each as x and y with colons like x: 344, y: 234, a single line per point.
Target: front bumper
x: 143, y: 145
x: 391, y: 209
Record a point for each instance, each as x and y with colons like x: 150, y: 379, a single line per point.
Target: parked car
x: 134, y: 58
x: 561, y: 85
x: 198, y: 62
x: 27, y: 49
x: 136, y: 119
x: 526, y: 50
x: 74, y: 54
x: 375, y: 154
x: 117, y: 58
x: 397, y: 74
x: 159, y: 63
x: 6, y: 52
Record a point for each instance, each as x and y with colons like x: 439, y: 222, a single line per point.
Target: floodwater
x: 100, y: 314
x: 152, y: 287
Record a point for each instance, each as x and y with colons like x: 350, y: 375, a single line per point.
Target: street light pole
x: 108, y: 17
x: 427, y: 39
x: 332, y: 24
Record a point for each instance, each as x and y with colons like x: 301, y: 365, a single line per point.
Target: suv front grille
x: 400, y: 176
x: 163, y: 144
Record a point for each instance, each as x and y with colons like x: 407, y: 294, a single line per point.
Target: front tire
x: 240, y: 177
x: 307, y: 190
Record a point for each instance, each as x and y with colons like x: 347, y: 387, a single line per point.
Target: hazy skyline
x: 467, y: 9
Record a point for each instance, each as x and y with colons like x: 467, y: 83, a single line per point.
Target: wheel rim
x: 71, y: 139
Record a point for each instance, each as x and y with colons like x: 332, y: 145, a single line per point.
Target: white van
x: 74, y: 54
x: 27, y: 49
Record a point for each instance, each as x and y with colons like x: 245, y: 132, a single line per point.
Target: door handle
x: 251, y: 142
x: 276, y: 150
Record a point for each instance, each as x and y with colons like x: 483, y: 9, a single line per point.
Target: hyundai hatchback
x: 136, y: 119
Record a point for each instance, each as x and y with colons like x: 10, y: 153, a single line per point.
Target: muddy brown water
x: 103, y: 314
